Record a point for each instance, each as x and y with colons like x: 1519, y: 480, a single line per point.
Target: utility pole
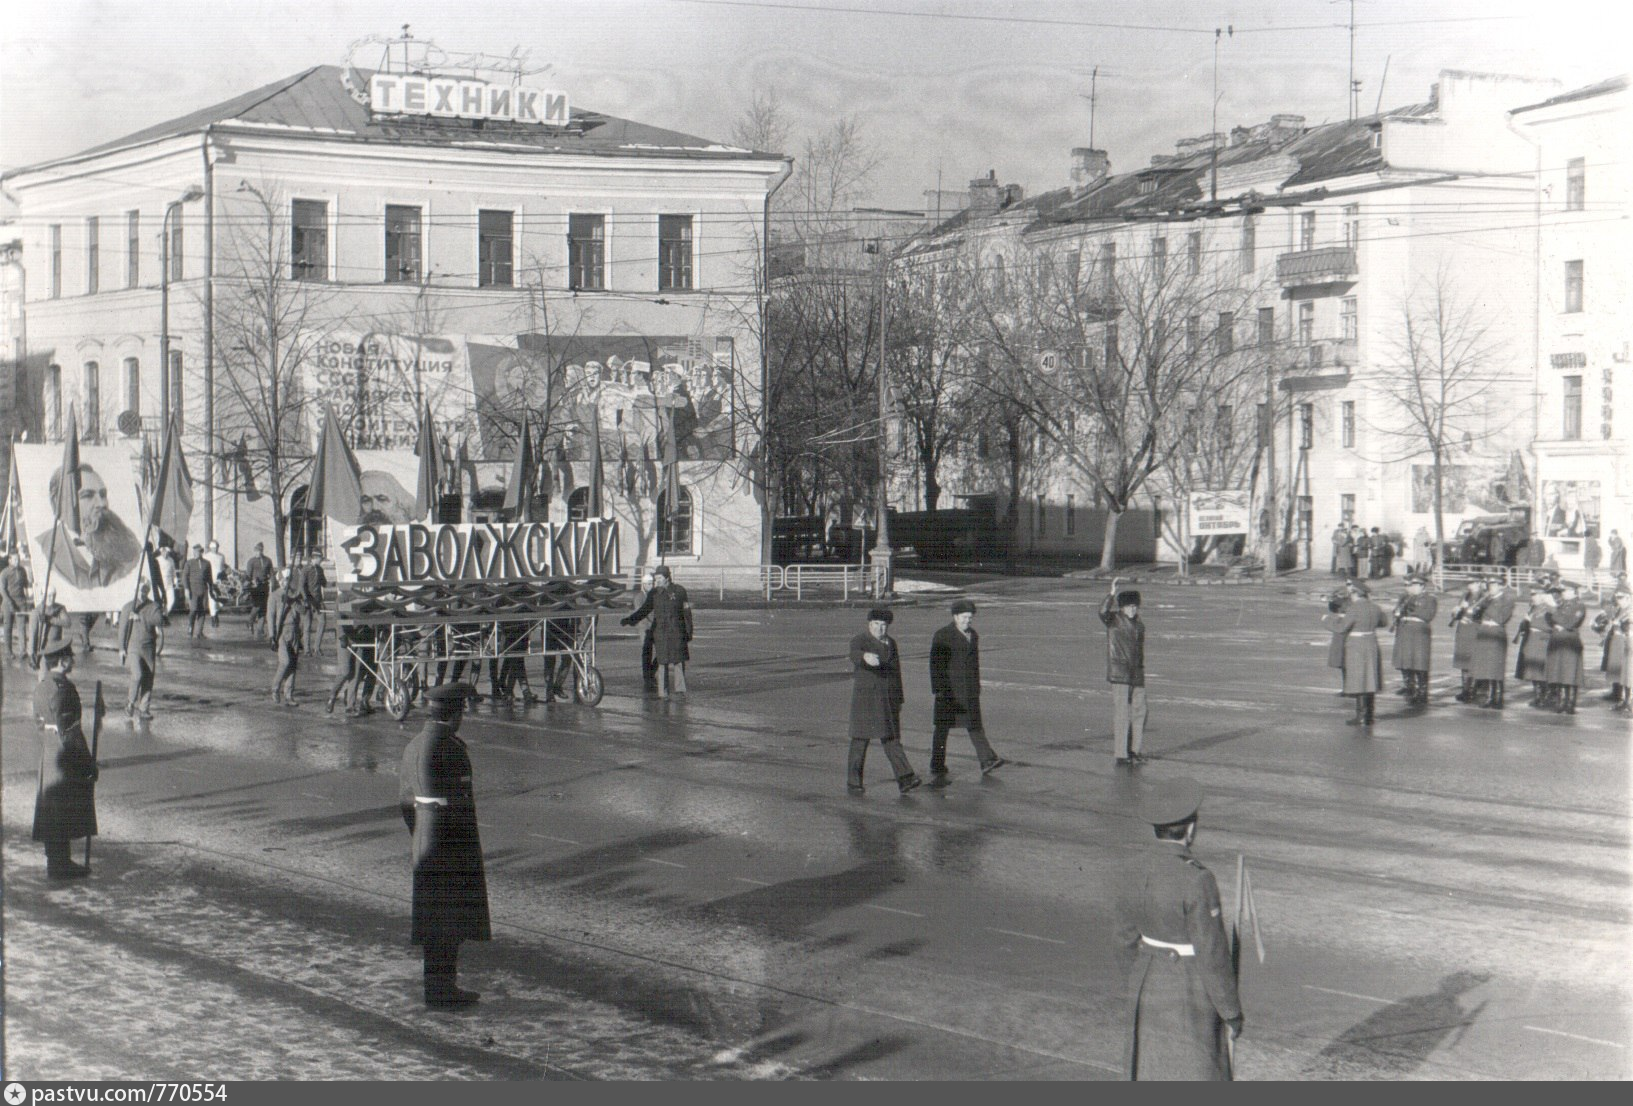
x: 882, y: 552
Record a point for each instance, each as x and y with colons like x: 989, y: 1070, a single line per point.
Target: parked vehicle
x: 1491, y: 539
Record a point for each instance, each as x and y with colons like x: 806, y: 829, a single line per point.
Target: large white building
x: 1336, y: 242
x: 1583, y: 250
x: 386, y: 241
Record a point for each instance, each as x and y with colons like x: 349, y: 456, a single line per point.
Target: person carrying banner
x: 141, y: 624
x: 65, y: 803
x: 1183, y: 1005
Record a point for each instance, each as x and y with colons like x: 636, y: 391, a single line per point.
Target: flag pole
x: 51, y: 552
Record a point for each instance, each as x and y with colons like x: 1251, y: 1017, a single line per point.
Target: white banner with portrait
x: 93, y: 568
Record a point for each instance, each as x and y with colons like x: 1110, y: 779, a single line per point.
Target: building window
x: 1159, y: 257
x: 1346, y: 508
x: 177, y: 407
x: 495, y: 249
x: 578, y: 505
x: 1306, y: 230
x: 1352, y: 226
x: 1573, y: 286
x: 587, y: 252
x: 674, y: 253
x: 56, y: 261
x: 93, y: 400
x: 1111, y: 359
x: 53, y: 400
x: 1267, y: 326
x: 1225, y: 333
x: 176, y: 240
x: 1346, y: 423
x: 1347, y: 317
x: 1193, y: 252
x: 1041, y: 514
x: 309, y: 240
x: 1573, y: 408
x: 1108, y: 266
x: 133, y: 385
x: 675, y: 528
x: 1576, y: 184
x: 983, y: 445
x: 1250, y: 240
x: 402, y: 244
x: 1306, y: 517
x: 1071, y: 514
x: 1074, y: 264
x: 1193, y: 333
x: 1306, y: 323
x: 93, y: 255
x: 133, y: 248
x: 1224, y: 426
x: 1306, y: 425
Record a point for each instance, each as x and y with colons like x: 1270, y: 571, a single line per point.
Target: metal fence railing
x: 796, y: 582
x: 1455, y: 575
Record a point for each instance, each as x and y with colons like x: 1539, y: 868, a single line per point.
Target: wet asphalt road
x: 685, y: 890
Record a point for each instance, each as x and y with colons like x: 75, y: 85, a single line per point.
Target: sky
x: 943, y: 90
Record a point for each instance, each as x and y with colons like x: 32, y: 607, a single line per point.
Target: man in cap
x: 1125, y: 671
x: 450, y: 883
x: 955, y: 681
x: 1359, y: 624
x: 1563, y: 669
x: 1413, y: 637
x: 14, y: 600
x: 1182, y: 988
x: 65, y: 804
x: 1490, y: 662
x: 876, y: 703
x: 142, y: 625
x: 197, y: 578
x: 258, y: 572
x: 288, y: 640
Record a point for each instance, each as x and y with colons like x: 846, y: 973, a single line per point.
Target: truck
x: 1491, y: 539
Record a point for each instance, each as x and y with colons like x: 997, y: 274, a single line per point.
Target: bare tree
x: 929, y: 373
x: 266, y: 330
x: 1104, y: 364
x: 1443, y: 391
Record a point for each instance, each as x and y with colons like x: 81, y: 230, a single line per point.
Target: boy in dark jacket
x: 1125, y: 671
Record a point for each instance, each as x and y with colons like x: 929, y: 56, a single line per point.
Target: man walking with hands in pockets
x: 955, y: 681
x: 1125, y: 671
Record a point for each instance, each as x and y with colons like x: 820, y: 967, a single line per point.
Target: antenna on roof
x: 1380, y: 104
x: 1094, y: 80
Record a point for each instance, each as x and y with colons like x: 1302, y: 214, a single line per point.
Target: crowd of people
x: 1358, y: 553
x: 1549, y: 635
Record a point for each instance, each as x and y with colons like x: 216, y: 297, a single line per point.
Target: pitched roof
x: 1586, y: 92
x: 317, y: 103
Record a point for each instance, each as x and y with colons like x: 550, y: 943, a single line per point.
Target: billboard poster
x: 93, y: 568
x: 1570, y: 508
x: 1221, y: 512
x: 376, y: 382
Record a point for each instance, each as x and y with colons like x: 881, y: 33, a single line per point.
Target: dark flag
x: 427, y: 489
x: 337, y: 483
x: 594, y: 506
x: 170, y: 509
x: 519, y: 491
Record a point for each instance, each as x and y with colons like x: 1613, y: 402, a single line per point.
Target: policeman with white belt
x: 1183, y: 1003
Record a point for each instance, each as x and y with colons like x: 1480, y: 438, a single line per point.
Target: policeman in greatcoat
x: 876, y: 703
x: 1490, y: 662
x: 1412, y: 638
x: 450, y: 883
x: 65, y: 804
x: 1563, y: 668
x: 955, y: 681
x: 671, y: 613
x: 1182, y: 987
x: 1359, y: 624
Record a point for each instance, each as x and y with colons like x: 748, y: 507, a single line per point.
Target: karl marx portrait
x: 104, y: 549
x: 385, y: 501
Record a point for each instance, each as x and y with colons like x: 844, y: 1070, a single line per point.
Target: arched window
x: 133, y: 385
x: 53, y: 401
x: 578, y: 505
x: 93, y: 400
x: 675, y: 528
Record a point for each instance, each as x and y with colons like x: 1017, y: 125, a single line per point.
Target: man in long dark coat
x: 1359, y: 624
x: 1490, y: 662
x: 65, y: 804
x: 1563, y: 667
x: 1413, y: 637
x: 258, y: 572
x: 955, y: 681
x: 1182, y: 988
x: 1531, y: 663
x: 450, y: 882
x: 197, y: 578
x: 1465, y: 630
x: 876, y: 703
x: 671, y: 613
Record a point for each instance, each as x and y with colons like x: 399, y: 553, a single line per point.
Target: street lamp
x: 193, y: 192
x: 882, y: 553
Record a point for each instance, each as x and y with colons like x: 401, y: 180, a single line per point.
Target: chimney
x: 1240, y: 135
x: 1013, y: 194
x: 1201, y: 144
x: 984, y: 194
x: 1285, y: 128
x: 1089, y: 167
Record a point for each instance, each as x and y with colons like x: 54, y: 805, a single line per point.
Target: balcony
x: 1323, y: 266
x: 1320, y: 365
